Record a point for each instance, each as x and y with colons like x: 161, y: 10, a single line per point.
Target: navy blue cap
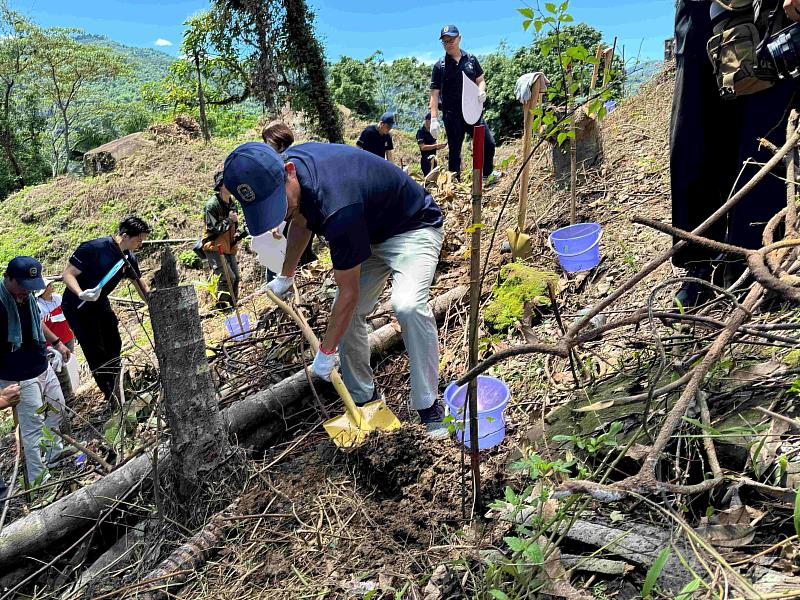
x: 388, y: 118
x: 255, y: 175
x: 449, y: 31
x: 427, y: 116
x: 26, y: 271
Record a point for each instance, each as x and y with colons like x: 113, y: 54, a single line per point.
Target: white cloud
x: 162, y: 42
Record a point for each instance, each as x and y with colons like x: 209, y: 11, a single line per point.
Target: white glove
x: 435, y: 127
x: 324, y: 363
x: 56, y: 361
x: 90, y: 295
x: 481, y: 97
x: 281, y: 286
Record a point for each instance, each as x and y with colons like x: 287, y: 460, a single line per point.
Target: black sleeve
x: 478, y: 69
x: 348, y: 237
x: 362, y: 139
x: 134, y: 263
x: 390, y: 143
x: 420, y: 137
x: 83, y: 257
x: 436, y: 76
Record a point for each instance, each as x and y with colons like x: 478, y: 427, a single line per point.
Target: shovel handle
x: 352, y: 410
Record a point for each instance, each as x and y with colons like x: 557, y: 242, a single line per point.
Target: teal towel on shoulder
x: 14, y: 326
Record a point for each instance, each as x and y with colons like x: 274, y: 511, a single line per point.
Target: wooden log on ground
x: 47, y: 528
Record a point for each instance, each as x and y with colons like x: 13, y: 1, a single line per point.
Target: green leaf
x: 537, y: 24
x: 687, y: 592
x: 567, y: 19
x: 526, y: 24
x: 797, y: 511
x: 654, y: 571
x: 561, y: 137
x: 550, y: 7
x: 564, y: 6
x: 498, y: 595
x: 526, y: 12
x: 516, y: 544
x: 534, y: 554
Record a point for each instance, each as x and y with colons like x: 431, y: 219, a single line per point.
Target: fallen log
x: 46, y: 529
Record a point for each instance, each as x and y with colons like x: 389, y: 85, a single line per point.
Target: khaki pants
x: 410, y: 259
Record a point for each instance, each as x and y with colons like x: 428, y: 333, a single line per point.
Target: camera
x: 783, y: 49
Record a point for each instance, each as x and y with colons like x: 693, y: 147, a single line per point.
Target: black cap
x: 448, y: 31
x: 26, y: 271
x: 218, y: 180
x: 427, y: 116
x: 388, y: 118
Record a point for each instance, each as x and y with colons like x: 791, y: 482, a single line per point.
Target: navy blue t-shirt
x: 424, y: 137
x: 372, y: 140
x: 355, y: 199
x: 95, y: 259
x: 446, y: 77
x: 30, y: 359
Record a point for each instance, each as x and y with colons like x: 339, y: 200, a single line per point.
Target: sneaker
x: 376, y: 395
x: 432, y: 419
x: 692, y: 293
x: 490, y: 180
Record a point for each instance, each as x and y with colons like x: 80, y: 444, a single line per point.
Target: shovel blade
x: 520, y: 243
x: 345, y: 432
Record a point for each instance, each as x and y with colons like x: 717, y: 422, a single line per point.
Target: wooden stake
x: 224, y: 264
x: 608, y: 58
x: 474, y: 302
x: 528, y: 108
x: 597, y: 56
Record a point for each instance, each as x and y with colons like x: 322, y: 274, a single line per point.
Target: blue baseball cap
x: 26, y: 271
x: 388, y: 118
x: 449, y: 31
x: 255, y: 175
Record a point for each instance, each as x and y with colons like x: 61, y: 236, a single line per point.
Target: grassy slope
x: 166, y: 185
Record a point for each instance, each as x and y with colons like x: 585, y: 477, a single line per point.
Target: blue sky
x: 358, y: 27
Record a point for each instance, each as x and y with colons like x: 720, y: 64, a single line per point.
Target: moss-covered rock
x: 519, y: 284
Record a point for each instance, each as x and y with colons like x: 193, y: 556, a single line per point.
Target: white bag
x: 271, y: 251
x: 471, y: 106
x: 73, y: 372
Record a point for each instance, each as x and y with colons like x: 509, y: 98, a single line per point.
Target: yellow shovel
x: 521, y: 242
x: 352, y: 427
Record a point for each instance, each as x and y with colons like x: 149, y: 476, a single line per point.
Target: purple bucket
x: 493, y: 397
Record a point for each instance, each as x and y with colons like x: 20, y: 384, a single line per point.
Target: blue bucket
x: 236, y: 331
x: 493, y: 396
x: 577, y: 246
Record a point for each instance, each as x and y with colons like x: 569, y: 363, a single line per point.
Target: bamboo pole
x: 597, y: 56
x: 528, y: 108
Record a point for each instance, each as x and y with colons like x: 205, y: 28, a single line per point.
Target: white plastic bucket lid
x: 471, y: 106
x: 270, y: 250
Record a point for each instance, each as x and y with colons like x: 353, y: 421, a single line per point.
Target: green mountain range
x: 148, y: 64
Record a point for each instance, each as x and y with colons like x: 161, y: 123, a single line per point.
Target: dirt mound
x: 182, y: 128
x: 390, y: 462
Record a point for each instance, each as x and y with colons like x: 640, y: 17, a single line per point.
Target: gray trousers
x: 34, y: 394
x: 215, y: 262
x: 410, y: 258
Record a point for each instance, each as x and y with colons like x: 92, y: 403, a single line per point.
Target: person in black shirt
x: 427, y: 145
x: 376, y: 138
x: 85, y: 302
x: 446, y: 85
x: 710, y: 140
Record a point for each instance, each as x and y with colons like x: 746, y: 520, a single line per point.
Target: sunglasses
x: 449, y: 40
